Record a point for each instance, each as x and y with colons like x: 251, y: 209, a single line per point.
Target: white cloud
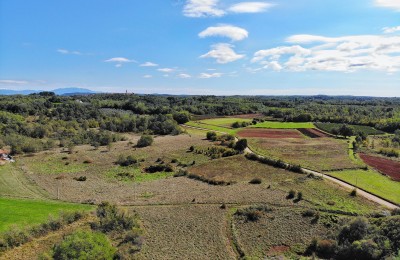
x: 210, y: 75
x: 393, y: 4
x: 147, y: 76
x: 345, y: 54
x: 13, y: 82
x: 250, y: 7
x: 232, y: 32
x: 166, y: 70
x: 119, y: 60
x: 391, y: 29
x: 184, y: 76
x: 64, y: 51
x: 202, y: 8
x: 223, y: 53
x: 149, y: 64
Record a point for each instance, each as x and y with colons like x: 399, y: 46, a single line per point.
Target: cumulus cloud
x: 223, y: 53
x: 210, y: 75
x: 166, y: 70
x: 229, y: 31
x: 250, y: 7
x: 391, y: 29
x: 149, y: 64
x: 202, y: 8
x: 345, y: 54
x: 392, y: 4
x: 184, y: 76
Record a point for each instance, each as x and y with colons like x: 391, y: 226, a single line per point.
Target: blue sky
x: 221, y: 47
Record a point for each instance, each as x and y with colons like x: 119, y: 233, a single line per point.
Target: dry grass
x: 238, y: 169
x: 283, y: 228
x: 322, y: 154
x: 185, y: 232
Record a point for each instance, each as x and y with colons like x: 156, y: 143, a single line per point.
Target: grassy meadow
x: 23, y: 213
x: 371, y: 181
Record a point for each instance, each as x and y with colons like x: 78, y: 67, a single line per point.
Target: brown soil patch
x: 270, y: 133
x: 312, y: 132
x: 386, y: 166
x: 277, y: 250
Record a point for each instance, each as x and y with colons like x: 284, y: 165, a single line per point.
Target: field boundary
x: 367, y: 195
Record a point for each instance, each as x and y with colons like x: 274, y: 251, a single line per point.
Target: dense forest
x: 44, y: 120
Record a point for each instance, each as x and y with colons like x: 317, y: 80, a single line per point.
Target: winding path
x: 360, y: 192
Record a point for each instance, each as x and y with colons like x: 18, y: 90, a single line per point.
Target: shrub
x: 191, y: 148
x: 353, y: 193
x: 299, y: 196
x: 80, y: 178
x: 88, y: 161
x: 126, y: 161
x: 241, y: 145
x: 211, y: 136
x: 255, y: 181
x: 326, y: 248
x: 309, y: 213
x: 291, y: 194
x: 84, y: 245
x: 145, y: 140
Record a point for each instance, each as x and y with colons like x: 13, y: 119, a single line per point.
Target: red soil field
x: 385, y: 166
x: 312, y: 132
x: 270, y: 133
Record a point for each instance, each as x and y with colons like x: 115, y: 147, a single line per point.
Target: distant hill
x: 59, y: 91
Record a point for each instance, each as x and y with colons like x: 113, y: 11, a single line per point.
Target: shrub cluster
x: 159, y: 168
x: 216, y: 152
x: 362, y: 239
x: 126, y: 160
x: 209, y: 181
x: 274, y: 163
x: 145, y: 140
x: 253, y: 213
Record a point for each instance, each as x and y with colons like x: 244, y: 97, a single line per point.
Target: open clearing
x: 371, y: 181
x: 269, y: 133
x: 386, y: 166
x: 283, y: 125
x: 321, y: 154
x: 29, y: 212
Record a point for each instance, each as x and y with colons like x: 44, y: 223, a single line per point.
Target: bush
x: 211, y: 136
x: 255, y: 181
x: 159, y: 168
x: 299, y: 196
x: 353, y: 193
x: 145, y: 140
x: 80, y: 178
x: 84, y: 245
x: 126, y: 161
x: 241, y: 145
x: 326, y: 248
x: 291, y: 194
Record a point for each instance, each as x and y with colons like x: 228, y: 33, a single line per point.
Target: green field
x: 283, y: 125
x: 371, y: 181
x: 212, y: 127
x: 328, y: 127
x: 30, y: 212
x: 224, y: 121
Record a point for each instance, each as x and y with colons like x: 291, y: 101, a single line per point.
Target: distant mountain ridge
x: 58, y: 91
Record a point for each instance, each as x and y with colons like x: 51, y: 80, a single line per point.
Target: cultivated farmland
x: 322, y: 154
